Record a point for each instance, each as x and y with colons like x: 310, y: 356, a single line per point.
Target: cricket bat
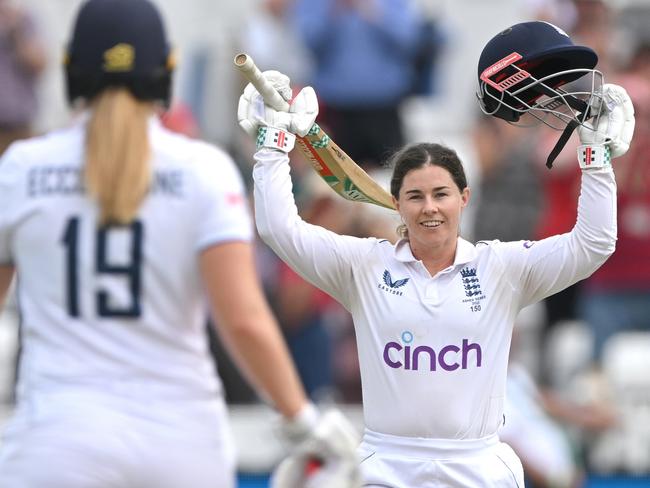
x: 342, y: 174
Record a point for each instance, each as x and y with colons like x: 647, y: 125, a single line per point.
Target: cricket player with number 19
x: 118, y: 230
x: 434, y: 313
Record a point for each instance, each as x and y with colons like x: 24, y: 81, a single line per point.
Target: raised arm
x: 542, y: 268
x: 323, y: 258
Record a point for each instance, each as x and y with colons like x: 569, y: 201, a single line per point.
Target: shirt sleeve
x: 538, y: 269
x: 224, y: 209
x: 323, y: 258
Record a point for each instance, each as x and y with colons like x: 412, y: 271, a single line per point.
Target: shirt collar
x: 465, y: 252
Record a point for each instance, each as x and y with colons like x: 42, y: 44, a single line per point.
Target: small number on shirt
x: 475, y: 308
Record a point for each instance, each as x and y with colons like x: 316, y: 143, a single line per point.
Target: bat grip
x: 245, y: 64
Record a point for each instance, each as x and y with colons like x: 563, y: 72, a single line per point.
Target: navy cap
x: 103, y: 24
x: 119, y: 42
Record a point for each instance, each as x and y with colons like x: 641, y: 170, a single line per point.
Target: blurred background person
x: 364, y: 53
x: 509, y: 193
x: 268, y: 32
x: 22, y: 60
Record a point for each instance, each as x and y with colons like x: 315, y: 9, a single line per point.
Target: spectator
x: 22, y: 60
x: 509, y: 194
x: 268, y: 32
x: 364, y: 53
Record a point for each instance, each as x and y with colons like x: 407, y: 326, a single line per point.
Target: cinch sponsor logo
x: 448, y: 358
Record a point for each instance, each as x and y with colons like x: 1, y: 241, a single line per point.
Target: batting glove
x: 253, y: 113
x: 325, y: 454
x: 610, y: 134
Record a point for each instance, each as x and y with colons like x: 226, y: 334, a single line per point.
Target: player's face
x: 430, y: 204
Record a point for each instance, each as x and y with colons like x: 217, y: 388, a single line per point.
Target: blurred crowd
x: 579, y: 388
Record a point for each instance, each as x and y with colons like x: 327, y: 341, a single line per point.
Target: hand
x: 252, y: 112
x: 615, y: 125
x: 325, y: 457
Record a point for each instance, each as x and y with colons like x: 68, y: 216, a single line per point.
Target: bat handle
x: 245, y: 64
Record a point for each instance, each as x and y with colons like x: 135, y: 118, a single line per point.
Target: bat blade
x: 342, y: 174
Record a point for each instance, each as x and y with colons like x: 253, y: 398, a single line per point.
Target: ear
x: 395, y: 203
x: 465, y: 196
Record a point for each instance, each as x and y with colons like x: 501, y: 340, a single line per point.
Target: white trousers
x: 390, y: 461
x: 85, y: 440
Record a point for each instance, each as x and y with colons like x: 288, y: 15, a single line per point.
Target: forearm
x: 248, y: 328
x: 260, y: 352
x: 596, y: 227
x: 275, y: 208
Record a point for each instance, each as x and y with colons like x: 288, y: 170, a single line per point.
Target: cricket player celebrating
x: 434, y: 313
x: 116, y: 228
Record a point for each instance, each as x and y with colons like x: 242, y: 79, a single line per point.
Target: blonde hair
x: 117, y: 171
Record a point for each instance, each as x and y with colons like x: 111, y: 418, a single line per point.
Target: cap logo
x: 560, y: 31
x: 119, y: 58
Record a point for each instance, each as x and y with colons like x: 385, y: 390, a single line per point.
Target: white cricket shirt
x: 433, y: 351
x: 120, y: 309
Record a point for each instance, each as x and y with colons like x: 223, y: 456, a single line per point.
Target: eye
x: 414, y: 196
x: 441, y: 194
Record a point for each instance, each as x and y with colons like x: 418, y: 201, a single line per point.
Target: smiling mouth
x: 431, y: 224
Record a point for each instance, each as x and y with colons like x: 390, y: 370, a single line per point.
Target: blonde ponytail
x: 118, y: 170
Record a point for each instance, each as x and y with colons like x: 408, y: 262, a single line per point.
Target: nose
x: 430, y: 205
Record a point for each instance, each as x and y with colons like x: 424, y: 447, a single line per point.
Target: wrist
x: 592, y: 156
x: 300, y: 425
x: 274, y: 138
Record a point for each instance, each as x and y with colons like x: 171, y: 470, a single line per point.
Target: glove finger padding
x: 280, y: 82
x: 621, y: 127
x: 304, y: 110
x: 252, y: 112
x: 615, y: 126
x: 332, y: 435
